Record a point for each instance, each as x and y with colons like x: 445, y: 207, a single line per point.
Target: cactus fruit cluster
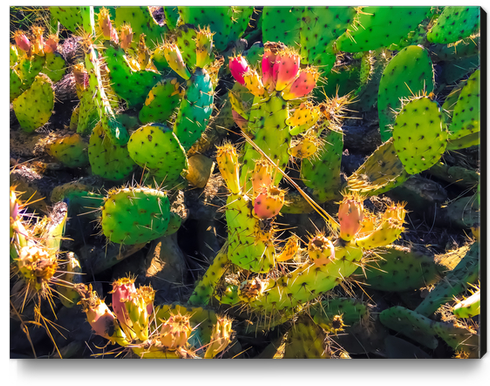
x: 246, y: 182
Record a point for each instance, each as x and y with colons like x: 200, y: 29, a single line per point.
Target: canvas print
x: 239, y: 182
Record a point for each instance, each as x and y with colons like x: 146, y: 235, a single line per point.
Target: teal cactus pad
x: 378, y: 26
x: 380, y: 172
x: 73, y: 18
x: 15, y: 84
x: 141, y: 21
x: 161, y: 101
x: 132, y: 86
x: 70, y: 151
x: 466, y: 113
x: 34, y: 107
x: 454, y: 24
x: 195, y: 109
x: 420, y: 137
x: 156, y: 147
x: 108, y: 160
x: 135, y: 215
x: 456, y: 70
x: 282, y: 24
x: 408, y: 74
x: 322, y: 173
x: 320, y: 28
x: 54, y: 66
x: 401, y: 269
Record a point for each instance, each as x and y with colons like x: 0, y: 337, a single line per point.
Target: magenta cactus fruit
x: 269, y: 202
x: 321, y: 250
x: 268, y: 61
x: 286, y: 67
x: 122, y: 290
x: 350, y: 216
x: 238, y: 67
x: 302, y: 85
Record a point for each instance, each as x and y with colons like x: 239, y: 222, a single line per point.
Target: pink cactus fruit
x: 285, y: 69
x: 262, y: 176
x: 269, y: 202
x: 22, y: 41
x: 268, y: 61
x: 302, y: 85
x: 351, y: 214
x: 126, y: 36
x: 238, y: 67
x: 253, y: 82
x: 321, y: 250
x: 122, y: 291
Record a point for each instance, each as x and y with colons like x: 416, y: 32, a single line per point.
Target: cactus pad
x: 161, y: 101
x: 71, y: 151
x: 454, y: 24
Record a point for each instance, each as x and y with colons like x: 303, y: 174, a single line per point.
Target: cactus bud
x: 229, y: 167
x: 104, y: 23
x: 175, y: 61
x: 37, y: 266
x: 204, y: 47
x: 253, y: 83
x: 220, y: 337
x: 302, y: 85
x: 51, y: 45
x: 290, y: 250
x: 261, y: 175
x: 238, y: 67
x: 321, y: 250
x: 285, y: 68
x: 269, y: 202
x: 350, y: 216
x: 122, y: 290
x: 126, y: 36
x: 38, y: 42
x: 22, y: 41
x: 81, y: 76
x: 175, y: 331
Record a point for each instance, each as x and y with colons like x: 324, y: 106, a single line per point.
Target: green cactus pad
x: 466, y: 113
x: 245, y: 250
x: 132, y: 86
x: 419, y: 136
x: 107, y: 159
x: 320, y: 28
x: 15, y: 84
x: 135, y: 215
x: 171, y: 16
x: 411, y: 324
x: 13, y: 55
x: 34, y: 107
x: 195, y: 110
x: 29, y: 69
x: 184, y: 36
x: 282, y: 24
x: 454, y: 24
x: 322, y: 173
x: 141, y: 21
x: 351, y: 310
x: 54, y: 66
x: 70, y: 151
x: 448, y: 52
x: 401, y: 269
x: 88, y: 114
x: 456, y: 70
x: 408, y: 74
x: 159, y: 60
x: 454, y: 283
x: 73, y: 18
x: 156, y: 147
x: 380, y: 172
x: 378, y: 26
x: 306, y: 340
x: 161, y: 101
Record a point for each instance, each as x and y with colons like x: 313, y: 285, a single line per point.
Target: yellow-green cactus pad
x: 161, y: 101
x: 34, y: 107
x: 70, y: 150
x: 419, y: 136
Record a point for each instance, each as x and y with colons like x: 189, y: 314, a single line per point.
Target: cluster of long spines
x: 135, y: 215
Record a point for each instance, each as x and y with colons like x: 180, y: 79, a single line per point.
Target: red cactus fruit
x: 238, y: 67
x: 22, y: 41
x: 350, y: 216
x: 321, y: 250
x: 302, y: 85
x: 268, y: 61
x: 286, y: 68
x: 269, y: 202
